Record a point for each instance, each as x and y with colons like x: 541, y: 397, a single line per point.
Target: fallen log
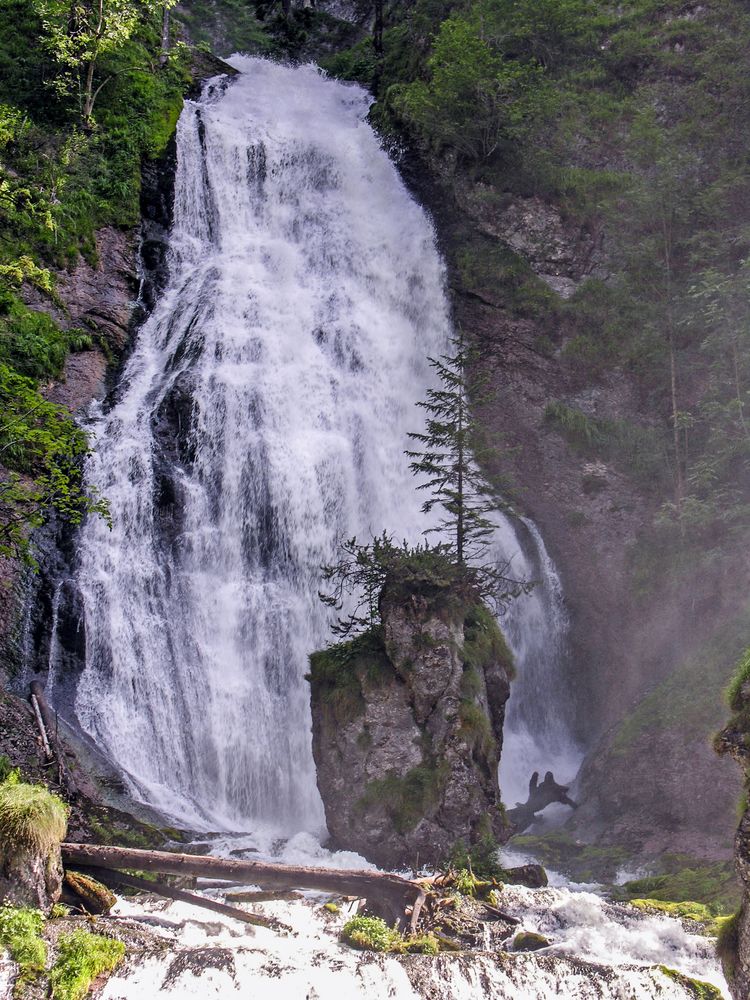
x: 386, y: 895
x: 263, y: 897
x: 113, y: 879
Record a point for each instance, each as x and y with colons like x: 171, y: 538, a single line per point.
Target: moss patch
x: 685, y: 880
x: 484, y: 643
x: 337, y: 673
x: 529, y: 941
x: 700, y: 990
x: 81, y: 958
x: 21, y: 933
x: 374, y: 934
x: 407, y: 799
x: 727, y: 942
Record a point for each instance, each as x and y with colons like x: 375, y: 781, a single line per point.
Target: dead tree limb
x: 386, y: 895
x: 114, y: 879
x: 540, y: 796
x: 41, y: 727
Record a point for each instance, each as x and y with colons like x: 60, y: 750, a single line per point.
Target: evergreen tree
x: 457, y: 484
x: 454, y: 480
x: 460, y: 560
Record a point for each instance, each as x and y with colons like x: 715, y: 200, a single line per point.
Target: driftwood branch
x: 41, y: 727
x: 388, y: 896
x: 540, y: 796
x: 114, y: 879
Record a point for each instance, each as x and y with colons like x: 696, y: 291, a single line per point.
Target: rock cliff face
x: 734, y: 741
x: 408, y: 728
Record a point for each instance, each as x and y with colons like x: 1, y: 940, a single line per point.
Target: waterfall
x: 539, y: 716
x: 261, y: 418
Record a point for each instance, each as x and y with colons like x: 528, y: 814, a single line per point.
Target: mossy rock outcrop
x: 32, y: 826
x: 408, y: 727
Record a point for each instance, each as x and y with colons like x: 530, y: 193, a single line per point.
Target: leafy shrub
x: 482, y: 859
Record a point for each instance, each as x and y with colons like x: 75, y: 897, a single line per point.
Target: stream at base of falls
x: 598, y: 950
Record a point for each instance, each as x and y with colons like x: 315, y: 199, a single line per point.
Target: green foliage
x: 476, y: 730
x: 59, y: 183
x: 32, y: 343
x: 406, y: 798
x: 484, y: 643
x: 81, y: 958
x: 637, y: 450
x: 475, y: 100
x: 370, y: 934
x: 21, y: 933
x: 482, y: 859
x: 727, y: 942
x: 374, y: 934
x: 7, y: 770
x: 737, y: 693
x: 78, y: 37
x: 43, y: 450
x: 336, y: 673
x: 685, y: 910
x: 449, y: 471
x: 31, y: 817
x: 365, y: 572
x: 226, y: 26
x: 685, y: 880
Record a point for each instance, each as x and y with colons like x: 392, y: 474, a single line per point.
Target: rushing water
x: 262, y: 418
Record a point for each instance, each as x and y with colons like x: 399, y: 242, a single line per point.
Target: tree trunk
x: 386, y: 895
x: 88, y: 93
x: 164, y: 37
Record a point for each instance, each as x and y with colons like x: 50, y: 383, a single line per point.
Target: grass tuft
x: 31, y: 817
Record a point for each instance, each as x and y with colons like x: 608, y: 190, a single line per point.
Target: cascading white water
x: 539, y: 716
x: 304, y: 296
x: 262, y: 418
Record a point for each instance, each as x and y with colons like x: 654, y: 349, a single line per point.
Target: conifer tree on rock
x: 457, y: 485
